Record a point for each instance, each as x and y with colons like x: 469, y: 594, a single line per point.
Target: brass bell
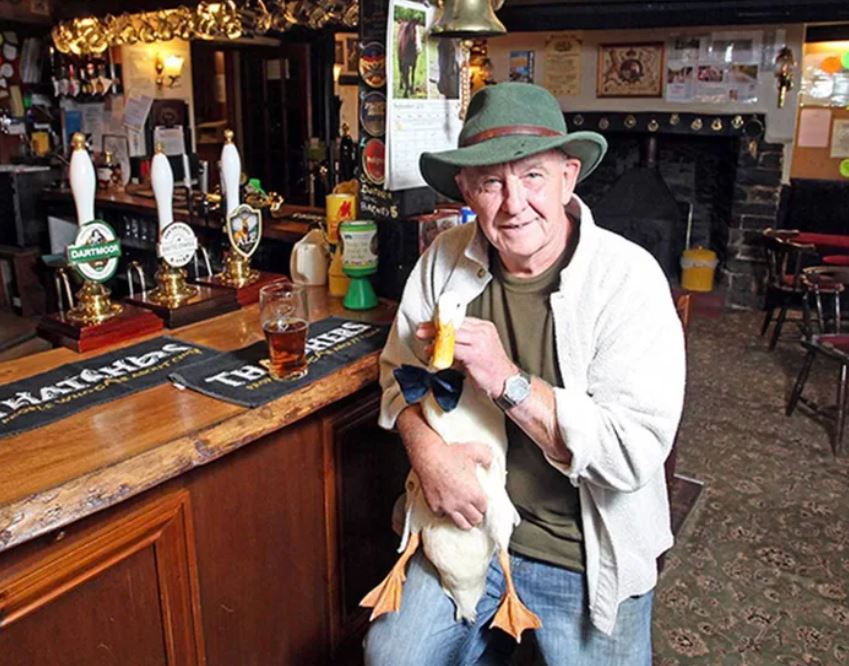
x: 467, y: 19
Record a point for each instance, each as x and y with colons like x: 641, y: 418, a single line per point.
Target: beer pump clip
x: 243, y: 223
x: 95, y: 321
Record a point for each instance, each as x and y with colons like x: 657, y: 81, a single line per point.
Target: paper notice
x: 813, y: 128
x: 136, y: 112
x: 563, y: 64
x: 840, y: 138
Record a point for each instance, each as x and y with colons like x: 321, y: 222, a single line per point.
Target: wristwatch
x: 517, y: 388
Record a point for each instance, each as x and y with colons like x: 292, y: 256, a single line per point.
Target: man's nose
x: 515, y: 196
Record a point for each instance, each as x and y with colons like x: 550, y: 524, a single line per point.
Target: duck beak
x: 443, y: 345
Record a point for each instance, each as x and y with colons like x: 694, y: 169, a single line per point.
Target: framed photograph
x: 347, y: 57
x: 630, y: 70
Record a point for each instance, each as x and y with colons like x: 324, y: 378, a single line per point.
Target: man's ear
x: 571, y: 171
x: 461, y: 183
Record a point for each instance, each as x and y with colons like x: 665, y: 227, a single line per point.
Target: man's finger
x: 482, y: 454
x: 460, y: 520
x: 425, y: 330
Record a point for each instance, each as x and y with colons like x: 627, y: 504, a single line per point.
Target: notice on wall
x: 814, y: 125
x: 840, y: 138
x: 136, y: 112
x: 563, y: 64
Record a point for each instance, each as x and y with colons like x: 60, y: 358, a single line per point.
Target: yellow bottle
x: 337, y: 281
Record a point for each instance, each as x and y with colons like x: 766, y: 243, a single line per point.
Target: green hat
x: 508, y: 122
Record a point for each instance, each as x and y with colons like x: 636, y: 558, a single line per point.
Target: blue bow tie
x: 415, y: 382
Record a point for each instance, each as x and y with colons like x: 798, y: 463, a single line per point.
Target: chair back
x: 785, y: 259
x: 823, y: 287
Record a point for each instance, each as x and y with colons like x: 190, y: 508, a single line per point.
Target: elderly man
x: 571, y: 330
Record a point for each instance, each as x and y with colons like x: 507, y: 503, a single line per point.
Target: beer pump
x: 173, y: 300
x: 95, y: 321
x: 243, y: 225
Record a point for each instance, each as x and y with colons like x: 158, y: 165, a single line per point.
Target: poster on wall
x: 840, y: 138
x: 562, y: 64
x: 718, y: 68
x: 522, y: 66
x: 423, y: 92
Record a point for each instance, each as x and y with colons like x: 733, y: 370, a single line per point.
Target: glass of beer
x: 282, y: 313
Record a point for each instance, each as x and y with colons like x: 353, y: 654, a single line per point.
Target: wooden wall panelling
x: 121, y: 590
x: 369, y: 467
x: 260, y: 529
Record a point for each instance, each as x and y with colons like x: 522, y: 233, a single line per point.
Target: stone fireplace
x: 718, y: 163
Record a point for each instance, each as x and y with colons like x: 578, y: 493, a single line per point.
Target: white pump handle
x: 83, y: 180
x: 231, y: 170
x: 162, y: 180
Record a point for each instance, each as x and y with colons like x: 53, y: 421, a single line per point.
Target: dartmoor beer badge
x: 95, y: 252
x: 177, y: 244
x: 244, y: 229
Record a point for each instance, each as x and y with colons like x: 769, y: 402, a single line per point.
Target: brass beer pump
x: 237, y: 270
x: 93, y: 303
x: 172, y: 290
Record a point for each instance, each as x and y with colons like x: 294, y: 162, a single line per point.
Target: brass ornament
x: 206, y: 20
x: 171, y: 291
x: 93, y: 305
x: 716, y: 124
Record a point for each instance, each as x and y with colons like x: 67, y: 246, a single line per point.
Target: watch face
x: 517, y: 388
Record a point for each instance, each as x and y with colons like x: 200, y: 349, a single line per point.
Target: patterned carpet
x: 760, y: 572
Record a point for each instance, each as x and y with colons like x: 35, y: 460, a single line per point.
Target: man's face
x: 520, y: 207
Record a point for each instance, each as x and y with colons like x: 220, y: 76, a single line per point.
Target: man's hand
x: 478, y: 349
x: 446, y: 472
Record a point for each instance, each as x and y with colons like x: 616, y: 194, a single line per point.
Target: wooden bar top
x: 61, y: 472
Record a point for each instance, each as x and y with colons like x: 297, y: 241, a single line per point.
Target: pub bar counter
x: 168, y: 527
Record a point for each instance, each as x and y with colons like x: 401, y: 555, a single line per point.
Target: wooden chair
x: 785, y: 260
x: 824, y: 286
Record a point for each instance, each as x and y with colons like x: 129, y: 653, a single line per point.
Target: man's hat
x: 508, y: 122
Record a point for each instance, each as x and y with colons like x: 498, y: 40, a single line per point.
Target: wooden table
x: 237, y: 535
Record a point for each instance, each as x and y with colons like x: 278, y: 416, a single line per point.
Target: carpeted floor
x: 760, y: 572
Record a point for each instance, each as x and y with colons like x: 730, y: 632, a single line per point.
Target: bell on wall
x: 467, y: 19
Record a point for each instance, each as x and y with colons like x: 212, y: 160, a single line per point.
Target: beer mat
x: 41, y: 399
x: 240, y: 378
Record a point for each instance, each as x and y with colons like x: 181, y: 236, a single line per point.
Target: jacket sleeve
x: 417, y: 305
x: 620, y: 426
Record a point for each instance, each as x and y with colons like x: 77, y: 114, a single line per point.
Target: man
x: 573, y: 333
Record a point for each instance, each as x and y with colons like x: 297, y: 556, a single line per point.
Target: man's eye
x: 491, y: 185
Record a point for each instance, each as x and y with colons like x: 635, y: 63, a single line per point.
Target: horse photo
x: 410, y: 68
x: 450, y: 59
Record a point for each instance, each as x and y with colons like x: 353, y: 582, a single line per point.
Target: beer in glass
x: 282, y: 313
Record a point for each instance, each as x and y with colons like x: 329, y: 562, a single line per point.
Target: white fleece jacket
x: 621, y: 353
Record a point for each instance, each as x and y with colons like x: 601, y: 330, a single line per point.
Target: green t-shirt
x: 546, y: 500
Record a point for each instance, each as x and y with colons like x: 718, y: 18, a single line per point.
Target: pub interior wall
x: 779, y: 122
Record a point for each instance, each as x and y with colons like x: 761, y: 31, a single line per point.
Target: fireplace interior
x: 666, y: 192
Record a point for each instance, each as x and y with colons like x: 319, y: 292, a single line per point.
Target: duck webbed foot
x: 513, y: 616
x: 386, y: 597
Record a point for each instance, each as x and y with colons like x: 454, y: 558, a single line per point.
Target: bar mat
x: 239, y: 378
x: 41, y: 399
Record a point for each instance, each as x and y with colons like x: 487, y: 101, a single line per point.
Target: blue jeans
x: 424, y: 632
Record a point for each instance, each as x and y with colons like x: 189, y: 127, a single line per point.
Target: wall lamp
x: 171, y: 67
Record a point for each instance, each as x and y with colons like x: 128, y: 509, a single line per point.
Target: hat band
x: 509, y: 130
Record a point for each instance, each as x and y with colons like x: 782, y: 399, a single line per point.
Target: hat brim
x: 439, y: 169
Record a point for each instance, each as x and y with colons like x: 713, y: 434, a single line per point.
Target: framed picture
x: 347, y: 52
x: 630, y: 70
x: 119, y: 146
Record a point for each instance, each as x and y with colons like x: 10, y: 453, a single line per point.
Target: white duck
x: 461, y: 557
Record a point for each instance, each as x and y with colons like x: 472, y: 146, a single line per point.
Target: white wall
x: 779, y: 122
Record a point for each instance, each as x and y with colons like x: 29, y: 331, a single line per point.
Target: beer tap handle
x: 135, y: 267
x: 162, y: 180
x: 231, y: 170
x: 83, y: 181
